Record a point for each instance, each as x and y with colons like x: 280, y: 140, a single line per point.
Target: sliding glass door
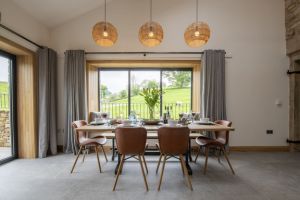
x: 119, y: 91
x: 8, y: 146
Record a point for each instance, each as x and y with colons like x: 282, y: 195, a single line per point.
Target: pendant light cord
x: 150, y: 10
x: 197, y: 11
x: 105, y: 11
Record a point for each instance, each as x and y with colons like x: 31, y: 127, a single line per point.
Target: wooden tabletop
x: 192, y: 127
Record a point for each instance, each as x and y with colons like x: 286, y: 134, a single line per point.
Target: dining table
x: 196, y: 130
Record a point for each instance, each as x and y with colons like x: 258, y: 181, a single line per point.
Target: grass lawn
x: 172, y: 96
x: 4, y: 104
x: 3, y: 87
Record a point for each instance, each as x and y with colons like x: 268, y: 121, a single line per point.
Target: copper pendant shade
x: 104, y: 33
x: 151, y: 33
x: 197, y: 34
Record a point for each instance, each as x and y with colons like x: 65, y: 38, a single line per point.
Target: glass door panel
x: 177, y: 89
x: 143, y: 79
x: 114, y: 92
x: 7, y: 135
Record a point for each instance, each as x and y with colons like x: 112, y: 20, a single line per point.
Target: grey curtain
x: 212, y: 88
x: 47, y: 64
x: 75, y: 94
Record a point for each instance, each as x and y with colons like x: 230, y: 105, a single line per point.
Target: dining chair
x: 131, y: 142
x: 220, y: 142
x: 173, y: 141
x: 83, y: 141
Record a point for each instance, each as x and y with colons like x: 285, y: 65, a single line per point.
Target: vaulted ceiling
x: 53, y: 13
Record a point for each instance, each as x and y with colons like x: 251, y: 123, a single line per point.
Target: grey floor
x: 5, y: 152
x: 258, y: 176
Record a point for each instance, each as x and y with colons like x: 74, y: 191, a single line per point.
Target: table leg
x: 118, y: 163
x: 190, y: 172
x: 113, y: 150
x: 190, y: 151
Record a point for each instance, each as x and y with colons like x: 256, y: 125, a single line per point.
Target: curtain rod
x: 147, y: 52
x: 21, y: 36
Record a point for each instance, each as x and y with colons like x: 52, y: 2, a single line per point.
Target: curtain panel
x: 47, y: 64
x: 213, y: 104
x: 75, y: 95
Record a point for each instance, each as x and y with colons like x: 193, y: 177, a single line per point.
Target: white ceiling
x: 52, y: 13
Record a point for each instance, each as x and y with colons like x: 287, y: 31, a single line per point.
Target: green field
x: 178, y: 98
x: 4, y: 98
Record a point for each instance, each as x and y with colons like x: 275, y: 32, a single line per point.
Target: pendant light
x: 104, y: 33
x: 151, y: 33
x: 197, y: 34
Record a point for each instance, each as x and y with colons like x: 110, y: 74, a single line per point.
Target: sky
x: 118, y: 80
x: 4, y: 64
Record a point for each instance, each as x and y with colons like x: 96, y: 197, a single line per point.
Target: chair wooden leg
x: 206, y: 158
x: 160, y: 156
x: 84, y: 154
x: 80, y: 149
x: 182, y: 169
x: 225, y: 154
x: 186, y: 172
x: 197, y: 154
x: 143, y: 172
x: 145, y: 163
x: 104, y: 153
x: 119, y: 171
x: 162, y: 172
x: 219, y: 154
x: 97, y: 154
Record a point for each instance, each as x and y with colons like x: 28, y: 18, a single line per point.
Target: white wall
x: 18, y: 20
x: 252, y: 32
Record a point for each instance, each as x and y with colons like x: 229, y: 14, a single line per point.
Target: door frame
x: 13, y: 106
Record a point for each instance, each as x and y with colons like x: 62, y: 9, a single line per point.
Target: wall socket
x: 269, y: 131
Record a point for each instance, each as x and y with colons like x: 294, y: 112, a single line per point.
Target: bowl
x: 172, y: 122
x: 126, y: 122
x: 205, y: 120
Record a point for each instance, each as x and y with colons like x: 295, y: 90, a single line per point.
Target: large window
x: 7, y: 106
x: 119, y: 91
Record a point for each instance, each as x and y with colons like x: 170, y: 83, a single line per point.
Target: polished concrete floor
x: 258, y: 176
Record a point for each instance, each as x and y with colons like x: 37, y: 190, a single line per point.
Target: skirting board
x: 232, y: 149
x: 259, y: 148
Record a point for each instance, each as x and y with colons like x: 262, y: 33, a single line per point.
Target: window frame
x: 130, y: 69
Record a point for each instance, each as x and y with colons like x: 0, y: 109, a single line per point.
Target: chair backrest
x: 173, y: 140
x: 223, y: 136
x: 94, y: 115
x: 81, y: 134
x: 131, y: 140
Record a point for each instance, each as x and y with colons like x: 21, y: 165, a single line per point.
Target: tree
x: 149, y: 84
x: 178, y: 79
x: 104, y: 92
x: 123, y: 94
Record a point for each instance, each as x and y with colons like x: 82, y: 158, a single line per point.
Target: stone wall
x: 292, y: 24
x: 5, y: 139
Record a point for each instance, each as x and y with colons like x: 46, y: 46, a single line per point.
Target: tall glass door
x: 7, y: 106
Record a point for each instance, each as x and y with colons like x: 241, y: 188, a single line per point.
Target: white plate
x: 203, y: 123
x: 97, y: 123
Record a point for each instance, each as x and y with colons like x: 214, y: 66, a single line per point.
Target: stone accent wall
x: 5, y: 139
x: 292, y: 24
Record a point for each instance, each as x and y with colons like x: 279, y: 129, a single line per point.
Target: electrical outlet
x: 269, y: 131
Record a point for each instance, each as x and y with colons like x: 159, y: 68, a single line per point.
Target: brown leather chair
x: 220, y: 142
x: 83, y: 141
x: 173, y: 141
x: 131, y: 141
